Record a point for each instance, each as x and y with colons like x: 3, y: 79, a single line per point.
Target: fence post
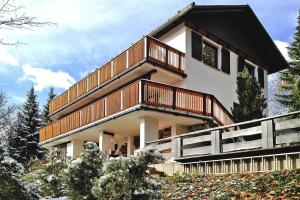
x: 176, y: 148
x: 267, y: 128
x: 215, y: 142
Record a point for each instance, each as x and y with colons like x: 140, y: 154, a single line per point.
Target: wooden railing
x: 265, y: 133
x: 148, y: 49
x: 140, y: 92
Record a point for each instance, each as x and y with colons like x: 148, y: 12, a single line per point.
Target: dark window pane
x: 196, y: 46
x: 225, y: 61
x: 261, y: 77
x: 210, y: 54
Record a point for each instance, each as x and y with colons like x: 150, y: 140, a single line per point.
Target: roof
x: 240, y: 18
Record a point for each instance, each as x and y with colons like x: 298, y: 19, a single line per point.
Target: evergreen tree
x: 80, y: 173
x: 45, y: 113
x: 51, y: 174
x: 251, y: 100
x: 25, y: 137
x: 289, y: 85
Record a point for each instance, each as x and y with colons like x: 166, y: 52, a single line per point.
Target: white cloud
x: 282, y: 46
x: 7, y: 58
x: 43, y: 78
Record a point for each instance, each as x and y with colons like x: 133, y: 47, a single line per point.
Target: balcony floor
x: 126, y: 123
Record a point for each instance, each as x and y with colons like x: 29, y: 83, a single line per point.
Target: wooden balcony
x: 145, y: 50
x: 143, y: 93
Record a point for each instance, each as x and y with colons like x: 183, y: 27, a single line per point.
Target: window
x: 261, y: 77
x: 225, y: 61
x: 196, y: 46
x: 210, y: 54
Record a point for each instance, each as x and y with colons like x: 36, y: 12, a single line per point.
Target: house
x: 179, y: 78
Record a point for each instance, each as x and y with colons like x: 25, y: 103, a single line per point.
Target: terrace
x: 138, y: 96
x: 143, y: 57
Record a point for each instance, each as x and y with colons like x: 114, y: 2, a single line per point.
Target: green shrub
x: 51, y: 175
x: 82, y: 172
x: 126, y: 178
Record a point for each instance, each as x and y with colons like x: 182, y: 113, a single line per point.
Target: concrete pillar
x: 106, y: 144
x: 130, y: 145
x: 215, y: 142
x: 74, y: 148
x: 267, y: 134
x: 148, y: 130
x: 176, y: 142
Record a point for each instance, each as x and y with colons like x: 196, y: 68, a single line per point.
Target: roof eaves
x: 174, y: 18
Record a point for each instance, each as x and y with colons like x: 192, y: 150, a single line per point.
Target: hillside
x: 275, y: 185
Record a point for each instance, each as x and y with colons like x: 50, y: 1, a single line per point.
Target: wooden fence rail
x: 265, y: 133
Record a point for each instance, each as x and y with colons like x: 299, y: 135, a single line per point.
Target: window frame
x: 215, y: 48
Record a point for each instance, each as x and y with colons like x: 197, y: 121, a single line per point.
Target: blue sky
x: 89, y: 33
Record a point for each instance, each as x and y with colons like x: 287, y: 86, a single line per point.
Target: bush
x: 82, y: 172
x: 126, y: 178
x: 51, y: 176
x: 11, y: 186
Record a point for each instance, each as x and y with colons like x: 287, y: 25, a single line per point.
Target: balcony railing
x: 142, y: 92
x: 147, y: 49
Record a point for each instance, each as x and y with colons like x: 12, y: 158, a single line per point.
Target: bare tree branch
x: 10, y: 18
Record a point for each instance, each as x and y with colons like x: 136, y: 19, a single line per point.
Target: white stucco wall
x: 204, y: 78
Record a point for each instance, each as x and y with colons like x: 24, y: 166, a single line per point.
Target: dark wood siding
x: 225, y: 61
x: 196, y: 46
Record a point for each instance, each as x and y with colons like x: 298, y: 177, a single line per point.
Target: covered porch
x: 124, y: 135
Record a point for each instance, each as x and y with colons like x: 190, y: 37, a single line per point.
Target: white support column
x: 148, y: 130
x: 105, y: 142
x: 74, y: 148
x: 130, y: 145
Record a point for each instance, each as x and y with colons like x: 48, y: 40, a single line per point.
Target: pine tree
x: 251, y: 100
x: 45, y: 113
x: 24, y: 143
x: 51, y: 174
x: 289, y: 85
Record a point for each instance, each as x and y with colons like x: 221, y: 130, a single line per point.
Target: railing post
x: 268, y: 139
x: 146, y: 47
x: 167, y: 55
x: 142, y: 91
x: 212, y: 105
x: 215, y: 142
x: 121, y: 100
x: 174, y: 98
x: 179, y: 61
x: 177, y: 147
x: 204, y: 104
